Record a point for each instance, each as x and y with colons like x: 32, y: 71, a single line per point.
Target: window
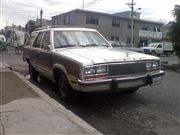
x: 46, y: 39
x: 77, y: 38
x: 157, y: 28
x: 114, y: 38
x: 159, y: 46
x: 92, y: 19
x: 38, y: 40
x: 116, y: 22
x: 55, y: 21
x: 31, y: 39
x: 144, y: 27
x: 66, y: 19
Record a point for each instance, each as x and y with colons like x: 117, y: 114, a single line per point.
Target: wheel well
x: 28, y: 61
x: 56, y: 73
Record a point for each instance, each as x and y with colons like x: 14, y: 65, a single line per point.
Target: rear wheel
x: 67, y: 93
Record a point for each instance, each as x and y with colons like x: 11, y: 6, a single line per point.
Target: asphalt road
x: 150, y: 111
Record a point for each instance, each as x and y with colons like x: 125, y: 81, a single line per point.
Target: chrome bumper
x: 120, y: 83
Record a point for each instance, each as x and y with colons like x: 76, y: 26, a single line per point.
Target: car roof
x: 64, y: 29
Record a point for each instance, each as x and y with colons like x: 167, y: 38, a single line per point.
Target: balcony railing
x: 150, y: 34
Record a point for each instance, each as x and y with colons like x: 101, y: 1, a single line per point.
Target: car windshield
x: 78, y: 38
x: 153, y: 45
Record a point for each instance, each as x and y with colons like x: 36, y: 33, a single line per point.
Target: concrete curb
x: 4, y: 67
x: 69, y: 115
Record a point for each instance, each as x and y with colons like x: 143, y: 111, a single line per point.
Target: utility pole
x: 83, y: 4
x: 131, y: 5
x: 132, y: 23
x: 0, y: 13
x: 41, y: 13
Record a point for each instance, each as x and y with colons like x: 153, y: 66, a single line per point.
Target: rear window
x: 31, y: 39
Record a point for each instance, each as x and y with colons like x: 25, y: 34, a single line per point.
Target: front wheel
x: 153, y: 53
x: 67, y: 93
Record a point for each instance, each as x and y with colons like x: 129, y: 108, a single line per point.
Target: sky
x: 20, y: 11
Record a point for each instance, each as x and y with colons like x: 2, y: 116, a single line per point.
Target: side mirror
x: 47, y: 47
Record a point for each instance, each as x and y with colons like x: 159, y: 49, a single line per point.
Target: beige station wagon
x: 81, y: 59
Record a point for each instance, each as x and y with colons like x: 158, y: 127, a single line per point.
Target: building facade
x: 113, y: 26
x: 31, y: 25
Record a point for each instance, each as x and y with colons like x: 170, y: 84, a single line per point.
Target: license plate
x: 156, y: 80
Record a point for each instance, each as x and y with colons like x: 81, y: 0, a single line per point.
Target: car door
x: 36, y: 50
x: 159, y: 49
x: 44, y: 57
x: 28, y: 48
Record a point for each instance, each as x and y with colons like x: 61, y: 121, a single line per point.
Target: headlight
x: 96, y: 70
x: 101, y: 69
x: 155, y: 64
x: 150, y: 65
x: 90, y: 71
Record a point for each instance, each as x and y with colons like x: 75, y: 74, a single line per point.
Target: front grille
x: 127, y: 68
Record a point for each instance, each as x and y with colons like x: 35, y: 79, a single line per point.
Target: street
x: 150, y: 111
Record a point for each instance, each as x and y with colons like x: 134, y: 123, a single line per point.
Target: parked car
x: 81, y: 59
x: 122, y: 45
x: 159, y: 49
x: 3, y: 45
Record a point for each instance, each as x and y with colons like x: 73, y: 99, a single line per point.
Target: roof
x: 107, y: 14
x: 63, y: 28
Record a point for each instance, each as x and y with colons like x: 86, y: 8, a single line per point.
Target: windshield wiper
x: 64, y: 46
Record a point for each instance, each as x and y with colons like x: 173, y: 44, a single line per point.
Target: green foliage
x: 175, y: 30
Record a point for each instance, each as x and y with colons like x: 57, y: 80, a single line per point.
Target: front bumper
x: 121, y: 83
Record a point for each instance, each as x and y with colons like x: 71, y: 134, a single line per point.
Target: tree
x: 174, y: 33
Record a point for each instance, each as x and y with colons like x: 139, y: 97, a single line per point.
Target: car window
x: 159, y: 46
x: 46, y: 39
x: 38, y: 40
x: 31, y: 39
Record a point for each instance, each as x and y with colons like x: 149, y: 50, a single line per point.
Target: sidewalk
x: 170, y: 63
x: 25, y: 110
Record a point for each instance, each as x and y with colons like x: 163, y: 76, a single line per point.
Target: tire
x: 67, y: 93
x: 33, y: 73
x: 153, y: 53
x: 131, y: 91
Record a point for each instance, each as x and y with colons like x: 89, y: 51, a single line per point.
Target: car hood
x: 150, y: 48
x: 98, y: 55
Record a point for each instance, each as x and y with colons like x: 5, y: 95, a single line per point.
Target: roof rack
x: 58, y: 26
